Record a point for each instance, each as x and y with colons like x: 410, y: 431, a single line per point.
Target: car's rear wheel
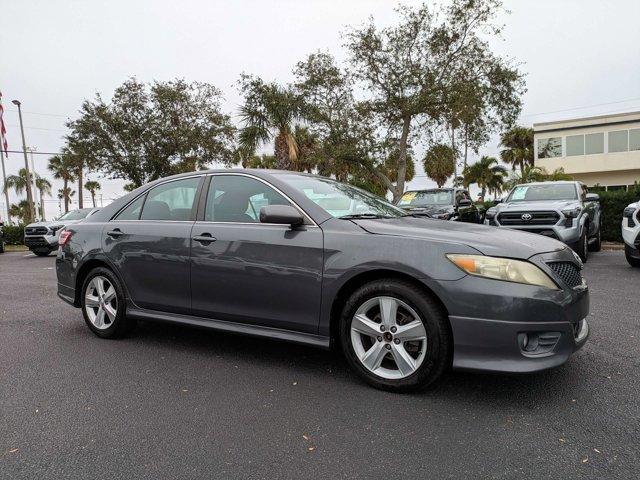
x: 395, y: 336
x: 103, y: 304
x: 42, y: 253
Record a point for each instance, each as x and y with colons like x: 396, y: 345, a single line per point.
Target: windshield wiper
x: 362, y: 216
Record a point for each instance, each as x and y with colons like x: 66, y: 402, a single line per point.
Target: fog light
x: 525, y: 341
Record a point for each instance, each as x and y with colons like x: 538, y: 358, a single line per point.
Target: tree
x: 409, y: 69
x: 148, y: 131
x: 439, y: 163
x: 487, y: 174
x: 63, y: 168
x: 517, y: 149
x: 92, y: 187
x: 21, y: 211
x: 558, y: 175
x: 528, y: 174
x: 268, y: 114
x: 44, y: 186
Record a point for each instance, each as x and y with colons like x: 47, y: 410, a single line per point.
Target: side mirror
x: 592, y: 197
x: 464, y: 202
x: 281, y: 214
x: 497, y: 201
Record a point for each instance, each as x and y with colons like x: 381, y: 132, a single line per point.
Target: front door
x: 149, y: 243
x: 252, y: 272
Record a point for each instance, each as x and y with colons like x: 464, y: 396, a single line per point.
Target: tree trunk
x: 466, y: 144
x: 93, y: 199
x: 483, y: 192
x: 402, y: 159
x: 65, y: 194
x: 453, y: 151
x: 42, y: 214
x: 80, y: 202
x: 281, y: 152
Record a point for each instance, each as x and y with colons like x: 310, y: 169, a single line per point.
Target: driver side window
x: 238, y: 199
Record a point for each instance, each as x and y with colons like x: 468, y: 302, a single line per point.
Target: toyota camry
x: 307, y: 259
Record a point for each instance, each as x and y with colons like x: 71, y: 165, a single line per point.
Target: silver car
x: 42, y: 237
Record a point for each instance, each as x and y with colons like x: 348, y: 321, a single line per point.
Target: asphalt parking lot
x: 171, y: 402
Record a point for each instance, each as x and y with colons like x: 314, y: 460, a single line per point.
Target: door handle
x: 205, y: 238
x: 115, y: 233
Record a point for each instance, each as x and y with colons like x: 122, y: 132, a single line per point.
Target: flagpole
x: 4, y: 148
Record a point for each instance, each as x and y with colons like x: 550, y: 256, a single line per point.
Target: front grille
x: 568, y: 272
x: 36, y: 230
x: 537, y: 218
x: 35, y: 242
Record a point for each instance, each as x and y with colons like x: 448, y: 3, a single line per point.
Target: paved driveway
x: 171, y: 402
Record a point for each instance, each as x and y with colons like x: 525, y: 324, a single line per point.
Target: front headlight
x: 491, y: 213
x: 573, y: 213
x: 441, y: 216
x: 505, y: 269
x: 55, y: 229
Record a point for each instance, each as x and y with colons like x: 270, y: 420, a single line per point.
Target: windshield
x: 426, y: 198
x: 551, y: 191
x: 76, y: 214
x: 339, y: 199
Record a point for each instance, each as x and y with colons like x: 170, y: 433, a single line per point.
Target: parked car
x: 42, y: 237
x: 565, y: 211
x: 298, y: 257
x: 441, y: 203
x: 1, y: 236
x: 631, y: 233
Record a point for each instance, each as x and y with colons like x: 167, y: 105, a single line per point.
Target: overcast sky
x: 581, y: 57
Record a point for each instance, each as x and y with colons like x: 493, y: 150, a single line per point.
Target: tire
x: 1, y: 246
x: 42, y: 253
x: 112, y: 322
x: 634, y: 262
x: 596, y: 245
x: 430, y: 356
x: 581, y: 246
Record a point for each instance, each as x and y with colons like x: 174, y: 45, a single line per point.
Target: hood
x: 430, y: 209
x: 499, y: 242
x: 53, y: 223
x: 541, y: 205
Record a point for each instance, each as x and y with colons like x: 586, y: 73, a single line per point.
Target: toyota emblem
x: 526, y: 217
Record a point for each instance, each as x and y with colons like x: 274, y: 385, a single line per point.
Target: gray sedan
x: 302, y: 258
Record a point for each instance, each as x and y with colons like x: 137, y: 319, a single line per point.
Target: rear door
x: 252, y: 272
x: 149, y: 242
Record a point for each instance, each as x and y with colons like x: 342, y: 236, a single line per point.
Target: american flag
x: 3, y: 131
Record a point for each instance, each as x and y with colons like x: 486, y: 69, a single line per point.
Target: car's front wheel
x: 596, y: 243
x: 103, y: 304
x: 395, y: 336
x: 632, y: 260
x: 582, y: 246
x: 42, y: 253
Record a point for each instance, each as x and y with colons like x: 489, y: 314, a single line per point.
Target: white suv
x: 631, y: 233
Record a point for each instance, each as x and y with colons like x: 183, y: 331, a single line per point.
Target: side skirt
x: 242, y: 328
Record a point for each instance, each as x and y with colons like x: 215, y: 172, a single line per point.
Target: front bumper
x: 507, y: 327
x: 631, y: 235
x: 41, y: 241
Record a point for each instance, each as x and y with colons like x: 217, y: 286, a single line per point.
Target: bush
x: 612, y: 204
x: 13, y: 234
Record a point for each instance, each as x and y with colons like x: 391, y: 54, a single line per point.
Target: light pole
x: 35, y: 186
x: 32, y: 209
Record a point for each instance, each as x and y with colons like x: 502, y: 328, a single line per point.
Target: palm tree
x: 269, y: 113
x: 44, y: 186
x: 529, y: 174
x: 558, y: 174
x: 517, y: 146
x: 487, y: 174
x: 439, y: 163
x: 63, y: 168
x: 92, y: 186
x: 17, y: 182
x: 21, y: 211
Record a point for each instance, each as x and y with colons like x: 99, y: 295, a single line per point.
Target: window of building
x: 550, y: 147
x: 171, y: 201
x: 619, y: 141
x: 575, y: 145
x: 594, y: 143
x: 634, y: 139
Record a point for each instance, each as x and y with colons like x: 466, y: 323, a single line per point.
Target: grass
x: 16, y: 248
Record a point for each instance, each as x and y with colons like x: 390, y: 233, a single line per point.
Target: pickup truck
x: 441, y: 203
x: 563, y: 210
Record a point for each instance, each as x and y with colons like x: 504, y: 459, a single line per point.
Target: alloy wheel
x: 388, y: 337
x: 101, y: 302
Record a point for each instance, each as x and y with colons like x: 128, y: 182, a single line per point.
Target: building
x: 599, y: 151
